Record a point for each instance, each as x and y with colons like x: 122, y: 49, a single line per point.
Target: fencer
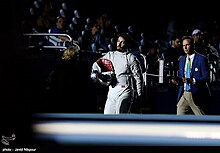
x: 126, y: 75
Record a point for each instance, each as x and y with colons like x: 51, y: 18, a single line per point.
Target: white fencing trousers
x: 118, y: 100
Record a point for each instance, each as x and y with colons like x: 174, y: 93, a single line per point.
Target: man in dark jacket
x: 194, y: 92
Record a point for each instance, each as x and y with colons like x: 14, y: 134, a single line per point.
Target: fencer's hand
x: 94, y: 75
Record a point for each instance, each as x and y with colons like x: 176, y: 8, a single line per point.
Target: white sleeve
x: 137, y: 73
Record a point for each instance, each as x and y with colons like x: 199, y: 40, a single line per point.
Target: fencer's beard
x: 120, y: 47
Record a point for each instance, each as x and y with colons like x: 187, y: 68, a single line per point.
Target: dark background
x: 151, y: 17
x: 16, y: 75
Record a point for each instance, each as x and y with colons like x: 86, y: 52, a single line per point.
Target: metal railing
x: 42, y: 40
x: 165, y: 72
x: 172, y: 72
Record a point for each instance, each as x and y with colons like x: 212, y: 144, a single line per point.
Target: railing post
x: 161, y: 69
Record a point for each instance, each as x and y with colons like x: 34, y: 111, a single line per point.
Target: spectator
x: 152, y: 58
x: 107, y: 29
x: 46, y: 17
x: 90, y: 40
x: 197, y: 39
x: 211, y: 51
x: 174, y: 51
x: 59, y: 28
